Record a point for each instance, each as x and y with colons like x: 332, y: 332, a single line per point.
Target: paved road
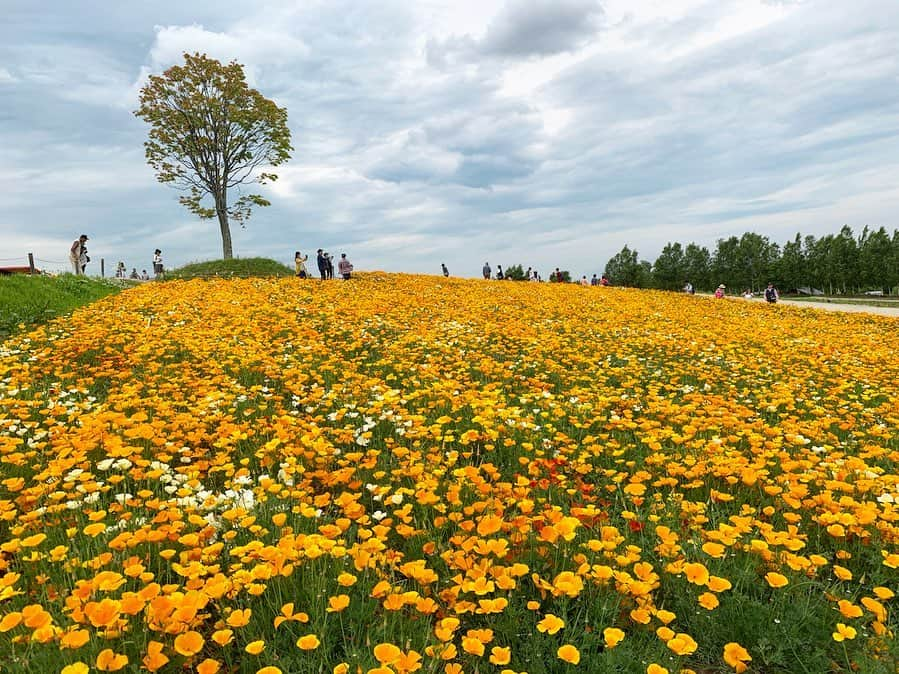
x: 851, y: 308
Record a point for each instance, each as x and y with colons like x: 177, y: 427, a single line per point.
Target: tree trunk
x: 221, y: 209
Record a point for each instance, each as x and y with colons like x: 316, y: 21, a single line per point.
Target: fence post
x: 102, y: 268
x: 31, y: 263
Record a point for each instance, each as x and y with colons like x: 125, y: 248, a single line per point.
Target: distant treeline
x: 837, y: 264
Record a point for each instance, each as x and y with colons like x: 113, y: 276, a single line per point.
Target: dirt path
x: 851, y: 308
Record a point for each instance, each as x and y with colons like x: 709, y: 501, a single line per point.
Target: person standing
x: 330, y: 260
x: 771, y: 294
x: 445, y: 270
x: 719, y: 292
x: 344, y: 267
x: 75, y: 253
x: 487, y: 271
x: 157, y: 264
x: 499, y: 273
x: 84, y: 258
x: 322, y: 264
x: 299, y: 262
x: 688, y: 288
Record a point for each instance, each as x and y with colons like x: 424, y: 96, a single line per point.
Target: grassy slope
x: 30, y: 300
x: 242, y: 267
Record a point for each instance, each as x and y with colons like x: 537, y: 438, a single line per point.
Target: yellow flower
x: 718, y: 584
x: 550, y: 624
x: 189, y: 643
x: 715, y: 550
x: 708, y: 601
x: 223, y: 637
x: 842, y: 572
x: 75, y: 668
x: 696, y: 573
x: 736, y: 656
x: 74, y: 639
x: 109, y: 661
x: 776, y: 580
x: 653, y: 668
x: 500, y: 655
x: 844, y: 632
x: 682, y: 644
x: 10, y: 620
x: 239, y: 617
x: 569, y: 654
x: 387, y: 653
x: 612, y: 636
x: 473, y: 645
x: 848, y: 609
x: 154, y: 659
x: 346, y: 579
x: 209, y: 666
x: 338, y: 603
x: 255, y: 647
x: 308, y: 642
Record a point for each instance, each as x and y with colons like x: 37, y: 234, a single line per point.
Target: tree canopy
x: 211, y: 133
x: 835, y: 263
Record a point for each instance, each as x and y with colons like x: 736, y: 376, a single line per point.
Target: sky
x: 548, y: 133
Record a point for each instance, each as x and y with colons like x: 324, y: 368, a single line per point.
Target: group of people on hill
x: 79, y: 260
x: 487, y: 271
x: 771, y: 293
x: 325, y: 263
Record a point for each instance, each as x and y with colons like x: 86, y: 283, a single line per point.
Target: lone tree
x: 210, y: 133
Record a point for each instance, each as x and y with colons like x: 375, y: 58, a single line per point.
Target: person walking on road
x: 76, y: 252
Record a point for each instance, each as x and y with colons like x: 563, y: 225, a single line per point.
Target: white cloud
x: 544, y: 133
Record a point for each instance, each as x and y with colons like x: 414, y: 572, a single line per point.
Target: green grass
x: 240, y: 267
x: 26, y: 301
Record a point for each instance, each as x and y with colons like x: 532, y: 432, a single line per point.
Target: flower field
x: 402, y: 474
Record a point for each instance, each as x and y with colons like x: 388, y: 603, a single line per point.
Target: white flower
x: 378, y: 515
x: 105, y: 464
x: 396, y: 499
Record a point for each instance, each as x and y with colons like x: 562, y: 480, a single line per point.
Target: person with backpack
x: 771, y: 294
